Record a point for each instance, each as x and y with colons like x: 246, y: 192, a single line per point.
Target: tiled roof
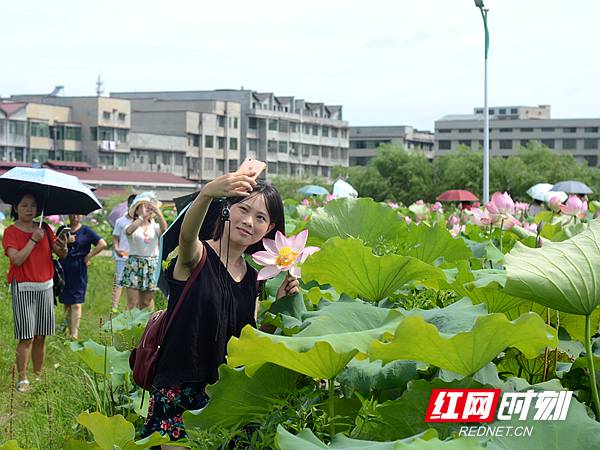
x: 54, y: 164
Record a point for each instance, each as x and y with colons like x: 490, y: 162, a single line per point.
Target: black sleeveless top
x: 216, y: 308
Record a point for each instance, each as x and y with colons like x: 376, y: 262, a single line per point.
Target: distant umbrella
x: 457, y: 195
x: 117, y: 212
x: 539, y: 191
x: 344, y: 189
x: 312, y: 189
x: 572, y: 187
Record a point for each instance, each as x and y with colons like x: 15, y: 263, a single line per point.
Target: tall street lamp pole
x: 486, y: 113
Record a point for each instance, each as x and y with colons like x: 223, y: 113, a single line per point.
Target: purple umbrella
x: 118, y: 211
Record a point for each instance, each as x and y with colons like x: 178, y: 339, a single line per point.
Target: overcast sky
x: 405, y: 62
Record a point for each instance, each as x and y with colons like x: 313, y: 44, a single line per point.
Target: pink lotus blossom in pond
x: 393, y: 205
x: 481, y: 217
x: 55, y: 218
x: 522, y: 206
x: 408, y: 220
x: 500, y: 206
x: 305, y: 202
x: 283, y: 254
x: 437, y: 206
x: 453, y: 220
x: 456, y: 230
x: 510, y: 222
x: 531, y: 227
x: 554, y: 203
x: 574, y: 207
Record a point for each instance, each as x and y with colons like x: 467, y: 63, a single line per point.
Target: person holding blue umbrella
x: 29, y: 247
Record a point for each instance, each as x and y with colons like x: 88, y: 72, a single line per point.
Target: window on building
x: 105, y: 134
x: 547, y: 129
x: 570, y: 130
x: 282, y: 147
x: 590, y: 129
x: 179, y: 159
x: 464, y: 130
x: 152, y: 157
x: 233, y: 144
x: 315, y: 130
x: 325, y: 171
x: 209, y: 164
x: 305, y: 149
x: 209, y: 141
x: 103, y: 160
x: 232, y: 165
x: 282, y: 168
x: 272, y: 167
x: 526, y: 130
x: 106, y: 115
x: 122, y: 117
x: 121, y: 160
x: 444, y: 130
x: 548, y: 143
x: 293, y: 127
x: 166, y: 158
x: 36, y: 129
x: 194, y: 139
x: 465, y: 143
x: 505, y: 144
x: 334, y: 132
x: 93, y: 133
x: 221, y: 120
x: 445, y: 145
x: 569, y: 144
x: 502, y: 111
x: 235, y: 122
x: 220, y: 142
x: 306, y: 128
x: 590, y: 144
x: 505, y: 130
x: 72, y: 133
x: 524, y: 142
x: 122, y: 134
x: 273, y: 124
x: 325, y: 152
x: 253, y: 123
x: 513, y: 110
x: 272, y: 147
x: 253, y: 145
x: 284, y: 126
x: 592, y: 160
x: 325, y: 131
x: 293, y: 148
x: 220, y: 165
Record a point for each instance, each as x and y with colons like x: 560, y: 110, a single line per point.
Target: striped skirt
x: 33, y: 311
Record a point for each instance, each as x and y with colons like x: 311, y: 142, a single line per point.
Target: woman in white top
x: 143, y: 238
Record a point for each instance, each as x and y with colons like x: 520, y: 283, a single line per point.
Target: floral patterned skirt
x: 167, y: 406
x: 139, y: 273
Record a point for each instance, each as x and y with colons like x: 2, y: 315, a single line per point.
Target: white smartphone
x: 252, y: 165
x: 64, y: 233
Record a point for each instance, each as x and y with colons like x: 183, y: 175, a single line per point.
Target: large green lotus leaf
x: 405, y: 416
x: 74, y: 444
x: 116, y: 432
x: 454, y: 318
x: 578, y: 431
x: 365, y: 376
x: 306, y: 440
x: 93, y: 354
x: 466, y: 352
x: 432, y: 244
x: 237, y: 400
x: 317, y: 359
x: 575, y: 324
x: 561, y: 275
x: 334, y: 334
x: 128, y: 319
x: 362, y: 218
x: 352, y: 268
x: 495, y: 300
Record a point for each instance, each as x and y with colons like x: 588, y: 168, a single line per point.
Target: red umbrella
x: 457, y: 195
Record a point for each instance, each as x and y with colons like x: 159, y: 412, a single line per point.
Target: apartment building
x: 293, y: 136
x: 365, y: 140
x: 13, y: 131
x: 101, y: 125
x: 514, y: 126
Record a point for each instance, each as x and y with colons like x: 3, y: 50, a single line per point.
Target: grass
x: 44, y: 417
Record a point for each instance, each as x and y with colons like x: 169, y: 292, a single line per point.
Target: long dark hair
x: 23, y: 193
x: 274, y: 208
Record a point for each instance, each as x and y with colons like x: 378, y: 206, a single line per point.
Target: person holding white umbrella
x: 29, y: 247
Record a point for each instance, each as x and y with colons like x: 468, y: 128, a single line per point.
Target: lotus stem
x: 545, y: 376
x: 501, y: 228
x: 590, y: 356
x: 331, y: 408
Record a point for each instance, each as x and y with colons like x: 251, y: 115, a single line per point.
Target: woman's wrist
x: 33, y: 240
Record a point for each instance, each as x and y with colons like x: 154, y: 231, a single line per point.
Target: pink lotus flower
x: 554, y: 203
x: 408, y: 220
x: 522, y: 206
x: 305, y: 202
x: 501, y: 206
x: 283, y: 254
x: 53, y: 219
x: 531, y: 227
x: 393, y: 205
x: 481, y: 217
x: 510, y: 222
x: 574, y: 207
x: 453, y: 220
x: 456, y: 229
x: 419, y: 202
x: 437, y: 206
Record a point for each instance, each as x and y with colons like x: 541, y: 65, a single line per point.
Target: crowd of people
x: 221, y: 299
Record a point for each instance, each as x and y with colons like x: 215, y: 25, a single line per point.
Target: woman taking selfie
x: 221, y: 300
x: 29, y: 248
